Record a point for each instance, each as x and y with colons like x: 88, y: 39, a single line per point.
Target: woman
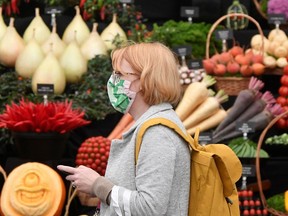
x: 145, y: 83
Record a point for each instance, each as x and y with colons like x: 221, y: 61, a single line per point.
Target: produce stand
x: 9, y: 158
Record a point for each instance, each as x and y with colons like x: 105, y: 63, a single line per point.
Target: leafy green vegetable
x: 277, y: 202
x: 174, y: 33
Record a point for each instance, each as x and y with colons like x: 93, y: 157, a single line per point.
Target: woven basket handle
x: 258, y: 173
x: 213, y: 27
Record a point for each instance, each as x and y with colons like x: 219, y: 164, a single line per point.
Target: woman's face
x: 127, y: 73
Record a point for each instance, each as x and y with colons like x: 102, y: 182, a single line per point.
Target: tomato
x: 281, y: 123
x: 281, y: 100
x: 283, y: 91
x: 285, y: 70
x: 284, y: 80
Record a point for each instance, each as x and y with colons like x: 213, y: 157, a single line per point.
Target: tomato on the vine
x: 284, y: 80
x: 283, y: 91
x: 281, y: 100
x: 281, y: 123
x: 285, y: 70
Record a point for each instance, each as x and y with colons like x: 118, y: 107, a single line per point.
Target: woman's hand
x: 81, y: 177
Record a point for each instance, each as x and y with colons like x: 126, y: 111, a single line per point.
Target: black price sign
x: 205, y: 137
x: 245, y: 127
x: 248, y: 170
x: 54, y: 10
x: 195, y: 64
x: 189, y: 11
x: 276, y: 19
x: 126, y: 1
x: 183, y: 50
x: 224, y: 34
x: 45, y: 89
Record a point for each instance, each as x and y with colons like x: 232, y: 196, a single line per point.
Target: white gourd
x: 111, y: 31
x: 49, y: 72
x: 73, y: 62
x: 42, y: 32
x: 54, y: 39
x: 94, y: 45
x: 29, y: 59
x: 3, y: 25
x: 77, y: 24
x: 11, y: 44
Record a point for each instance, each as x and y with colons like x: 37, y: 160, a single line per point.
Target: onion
x: 258, y: 69
x: 77, y: 24
x: 73, y: 62
x: 111, y: 31
x: 236, y: 50
x: 225, y: 57
x: 233, y: 67
x: 54, y: 39
x: 3, y: 25
x: 269, y: 61
x: 281, y: 62
x: 256, y: 42
x: 208, y: 65
x: 276, y: 31
x: 94, y: 45
x: 29, y: 59
x: 49, y: 72
x: 280, y: 51
x: 11, y: 45
x: 220, y: 69
x: 38, y: 27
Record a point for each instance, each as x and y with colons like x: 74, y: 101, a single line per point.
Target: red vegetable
x: 284, y: 80
x: 283, y: 91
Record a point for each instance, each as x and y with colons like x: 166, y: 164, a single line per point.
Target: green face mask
x: 120, y: 96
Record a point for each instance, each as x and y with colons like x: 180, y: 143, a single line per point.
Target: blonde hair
x: 157, y: 66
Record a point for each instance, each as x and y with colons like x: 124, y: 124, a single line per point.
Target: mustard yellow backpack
x: 215, y: 169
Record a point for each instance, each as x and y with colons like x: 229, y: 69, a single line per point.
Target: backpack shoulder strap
x: 163, y: 121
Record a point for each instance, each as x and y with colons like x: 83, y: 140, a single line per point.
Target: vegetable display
x: 94, y: 153
x: 250, y: 106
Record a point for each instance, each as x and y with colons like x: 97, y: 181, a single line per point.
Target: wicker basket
x: 258, y: 173
x: 231, y: 85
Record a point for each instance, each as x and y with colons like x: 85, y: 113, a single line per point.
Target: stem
x: 208, y: 80
x: 221, y: 96
x: 268, y: 97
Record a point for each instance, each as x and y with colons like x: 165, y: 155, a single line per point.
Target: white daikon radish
x: 3, y: 25
x: 42, y: 32
x: 77, y: 24
x: 73, y: 62
x: 11, y: 44
x: 29, y: 59
x: 111, y: 31
x: 274, y: 32
x: 54, y: 39
x: 49, y: 72
x: 94, y: 45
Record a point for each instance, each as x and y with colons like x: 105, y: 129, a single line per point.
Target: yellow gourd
x: 286, y: 200
x: 33, y: 189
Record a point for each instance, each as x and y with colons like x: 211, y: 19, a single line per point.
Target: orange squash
x: 33, y: 189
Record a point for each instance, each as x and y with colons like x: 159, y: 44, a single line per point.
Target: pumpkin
x: 33, y: 189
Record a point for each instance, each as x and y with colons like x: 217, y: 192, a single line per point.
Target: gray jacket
x: 159, y: 183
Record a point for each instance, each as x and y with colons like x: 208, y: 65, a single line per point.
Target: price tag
x: 126, y: 1
x: 189, y: 11
x: 183, y: 50
x: 195, y: 64
x: 245, y: 127
x: 224, y: 34
x: 205, y: 138
x: 45, y: 89
x: 276, y: 19
x: 248, y: 170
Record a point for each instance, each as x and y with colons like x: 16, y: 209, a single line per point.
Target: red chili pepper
x: 86, y: 15
x: 102, y: 13
x: 8, y: 9
x: 14, y: 6
x: 81, y: 4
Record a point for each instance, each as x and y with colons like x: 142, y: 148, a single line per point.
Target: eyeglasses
x: 117, y: 75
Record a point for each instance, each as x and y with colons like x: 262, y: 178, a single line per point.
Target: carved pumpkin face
x: 33, y: 189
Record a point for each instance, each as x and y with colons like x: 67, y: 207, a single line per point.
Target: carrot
x: 124, y: 121
x: 243, y: 100
x: 210, y: 122
x: 194, y: 95
x: 128, y: 126
x: 207, y: 108
x: 256, y: 107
